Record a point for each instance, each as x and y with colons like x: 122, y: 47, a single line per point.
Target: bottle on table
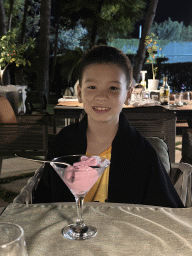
x: 143, y: 82
x: 164, y: 92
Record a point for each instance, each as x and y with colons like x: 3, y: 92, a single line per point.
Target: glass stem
x: 79, y: 204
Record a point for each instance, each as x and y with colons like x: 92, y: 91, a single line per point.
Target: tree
x: 102, y: 18
x: 13, y: 13
x: 43, y: 68
x: 186, y: 34
x: 23, y: 25
x: 12, y: 52
x: 140, y: 56
x: 10, y: 15
x: 3, y: 31
x: 2, y: 19
x: 168, y: 30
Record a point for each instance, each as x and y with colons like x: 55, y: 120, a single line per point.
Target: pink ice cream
x: 81, y: 177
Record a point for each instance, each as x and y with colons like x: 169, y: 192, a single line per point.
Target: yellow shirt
x: 99, y: 191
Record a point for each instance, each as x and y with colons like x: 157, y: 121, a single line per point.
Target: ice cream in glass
x: 80, y: 175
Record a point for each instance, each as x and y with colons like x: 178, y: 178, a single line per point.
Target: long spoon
x: 43, y: 161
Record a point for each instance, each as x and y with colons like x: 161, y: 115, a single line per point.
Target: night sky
x: 177, y: 10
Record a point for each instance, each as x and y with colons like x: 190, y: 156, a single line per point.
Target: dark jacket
x: 137, y: 176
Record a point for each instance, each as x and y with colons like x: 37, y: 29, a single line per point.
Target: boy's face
x: 103, y: 92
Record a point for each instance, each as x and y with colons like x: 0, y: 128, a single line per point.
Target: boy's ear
x: 79, y: 93
x: 128, y: 97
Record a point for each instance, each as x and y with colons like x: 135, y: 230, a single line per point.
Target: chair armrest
x: 183, y: 184
x: 26, y: 194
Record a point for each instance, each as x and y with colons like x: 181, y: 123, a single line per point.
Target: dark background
x: 175, y: 9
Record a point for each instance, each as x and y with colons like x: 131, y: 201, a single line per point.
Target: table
x: 1, y: 210
x: 74, y: 109
x: 123, y: 229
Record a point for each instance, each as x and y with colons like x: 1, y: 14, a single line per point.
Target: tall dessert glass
x: 80, y: 175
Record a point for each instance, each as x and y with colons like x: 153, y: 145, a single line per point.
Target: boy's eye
x: 113, y: 88
x: 91, y: 87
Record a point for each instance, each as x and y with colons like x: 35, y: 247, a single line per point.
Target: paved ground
x: 16, y: 166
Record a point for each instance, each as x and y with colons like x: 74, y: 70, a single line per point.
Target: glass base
x: 74, y: 232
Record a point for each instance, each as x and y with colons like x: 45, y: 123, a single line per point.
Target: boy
x: 136, y: 175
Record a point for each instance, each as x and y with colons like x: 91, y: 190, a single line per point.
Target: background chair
x: 180, y: 173
x: 28, y: 137
x: 35, y: 102
x: 27, y: 192
x: 154, y: 121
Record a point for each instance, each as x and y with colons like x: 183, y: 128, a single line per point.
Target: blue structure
x: 175, y: 51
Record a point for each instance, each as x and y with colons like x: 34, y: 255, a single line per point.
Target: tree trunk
x: 140, y: 56
x: 3, y: 31
x: 43, y: 73
x: 23, y: 25
x: 95, y: 24
x: 10, y: 15
x: 51, y: 78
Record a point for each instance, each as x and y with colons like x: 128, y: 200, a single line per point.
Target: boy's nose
x: 102, y: 96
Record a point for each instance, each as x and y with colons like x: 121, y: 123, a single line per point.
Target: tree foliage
x: 104, y: 18
x: 12, y: 52
x: 68, y: 39
x: 16, y: 12
x: 168, y: 30
x: 186, y: 34
x: 141, y: 52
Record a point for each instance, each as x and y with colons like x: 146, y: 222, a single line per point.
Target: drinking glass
x: 12, y: 241
x: 79, y: 174
x: 177, y: 101
x: 185, y: 98
x: 146, y: 97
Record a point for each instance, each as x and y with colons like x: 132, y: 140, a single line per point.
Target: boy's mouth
x: 101, y: 109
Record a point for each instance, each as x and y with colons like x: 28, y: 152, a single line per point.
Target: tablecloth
x: 122, y: 229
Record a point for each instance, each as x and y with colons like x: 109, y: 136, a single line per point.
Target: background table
x: 74, y: 109
x: 122, y: 229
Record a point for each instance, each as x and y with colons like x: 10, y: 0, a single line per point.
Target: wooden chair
x: 35, y: 102
x: 154, y: 121
x: 28, y: 137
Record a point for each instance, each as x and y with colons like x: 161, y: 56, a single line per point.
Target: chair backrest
x: 154, y: 121
x: 180, y: 173
x: 35, y: 102
x: 162, y: 151
x: 27, y: 192
x: 183, y: 183
x: 27, y: 137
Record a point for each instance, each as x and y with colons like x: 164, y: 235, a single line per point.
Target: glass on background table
x: 179, y: 99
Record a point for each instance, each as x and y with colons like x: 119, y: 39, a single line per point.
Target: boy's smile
x: 103, y: 92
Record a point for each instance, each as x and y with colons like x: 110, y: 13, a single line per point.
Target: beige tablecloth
x: 122, y: 229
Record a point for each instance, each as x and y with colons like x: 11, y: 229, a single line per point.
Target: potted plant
x: 151, y: 42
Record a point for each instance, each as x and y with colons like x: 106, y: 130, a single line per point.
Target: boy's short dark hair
x: 106, y: 55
